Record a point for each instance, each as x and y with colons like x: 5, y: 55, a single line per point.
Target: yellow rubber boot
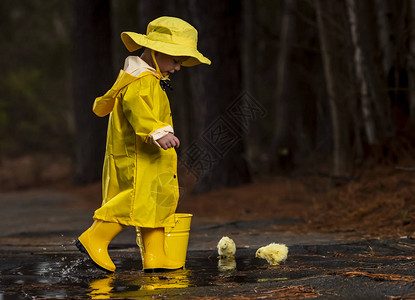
x: 94, y: 242
x: 154, y: 257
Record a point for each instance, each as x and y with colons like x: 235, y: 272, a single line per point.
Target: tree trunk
x: 92, y: 77
x: 361, y: 74
x: 397, y: 105
x: 411, y: 62
x: 216, y: 91
x: 377, y: 109
x: 248, y: 62
x: 384, y: 35
x: 282, y: 144
x: 336, y: 87
x: 247, y: 41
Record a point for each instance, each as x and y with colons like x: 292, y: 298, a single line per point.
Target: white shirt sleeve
x: 159, y: 133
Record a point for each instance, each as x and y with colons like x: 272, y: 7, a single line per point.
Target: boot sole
x: 161, y: 270
x: 83, y: 250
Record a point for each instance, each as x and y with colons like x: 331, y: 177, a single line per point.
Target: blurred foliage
x: 35, y: 102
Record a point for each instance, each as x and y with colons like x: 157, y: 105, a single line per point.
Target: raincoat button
x: 174, y: 176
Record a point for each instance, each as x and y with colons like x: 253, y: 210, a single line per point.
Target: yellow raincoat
x: 139, y: 182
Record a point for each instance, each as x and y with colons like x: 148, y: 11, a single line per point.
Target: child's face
x: 169, y: 64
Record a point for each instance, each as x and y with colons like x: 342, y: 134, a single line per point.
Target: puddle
x: 139, y: 284
x: 348, y: 270
x: 72, y: 275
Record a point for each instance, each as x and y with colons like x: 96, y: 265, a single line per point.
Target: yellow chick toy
x: 226, y: 247
x: 273, y: 253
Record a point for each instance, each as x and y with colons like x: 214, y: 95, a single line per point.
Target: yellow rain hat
x: 168, y: 35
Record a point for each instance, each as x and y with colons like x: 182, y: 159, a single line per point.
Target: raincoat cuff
x: 159, y: 133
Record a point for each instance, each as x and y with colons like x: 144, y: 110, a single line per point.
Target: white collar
x: 134, y: 66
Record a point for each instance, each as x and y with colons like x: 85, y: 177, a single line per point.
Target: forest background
x: 297, y: 89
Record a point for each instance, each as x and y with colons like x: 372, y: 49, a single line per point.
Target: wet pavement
x: 38, y: 260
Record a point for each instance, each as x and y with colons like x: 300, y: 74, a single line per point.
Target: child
x: 139, y: 182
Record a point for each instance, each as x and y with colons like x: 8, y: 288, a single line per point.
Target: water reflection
x: 102, y: 288
x: 138, y: 285
x: 227, y: 266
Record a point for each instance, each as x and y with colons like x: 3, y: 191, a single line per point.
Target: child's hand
x: 169, y: 141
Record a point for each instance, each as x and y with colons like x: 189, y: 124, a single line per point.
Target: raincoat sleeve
x: 141, y: 110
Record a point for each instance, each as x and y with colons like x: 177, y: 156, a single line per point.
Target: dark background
x: 319, y: 87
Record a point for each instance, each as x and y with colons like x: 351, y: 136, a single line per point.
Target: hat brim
x: 134, y: 41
